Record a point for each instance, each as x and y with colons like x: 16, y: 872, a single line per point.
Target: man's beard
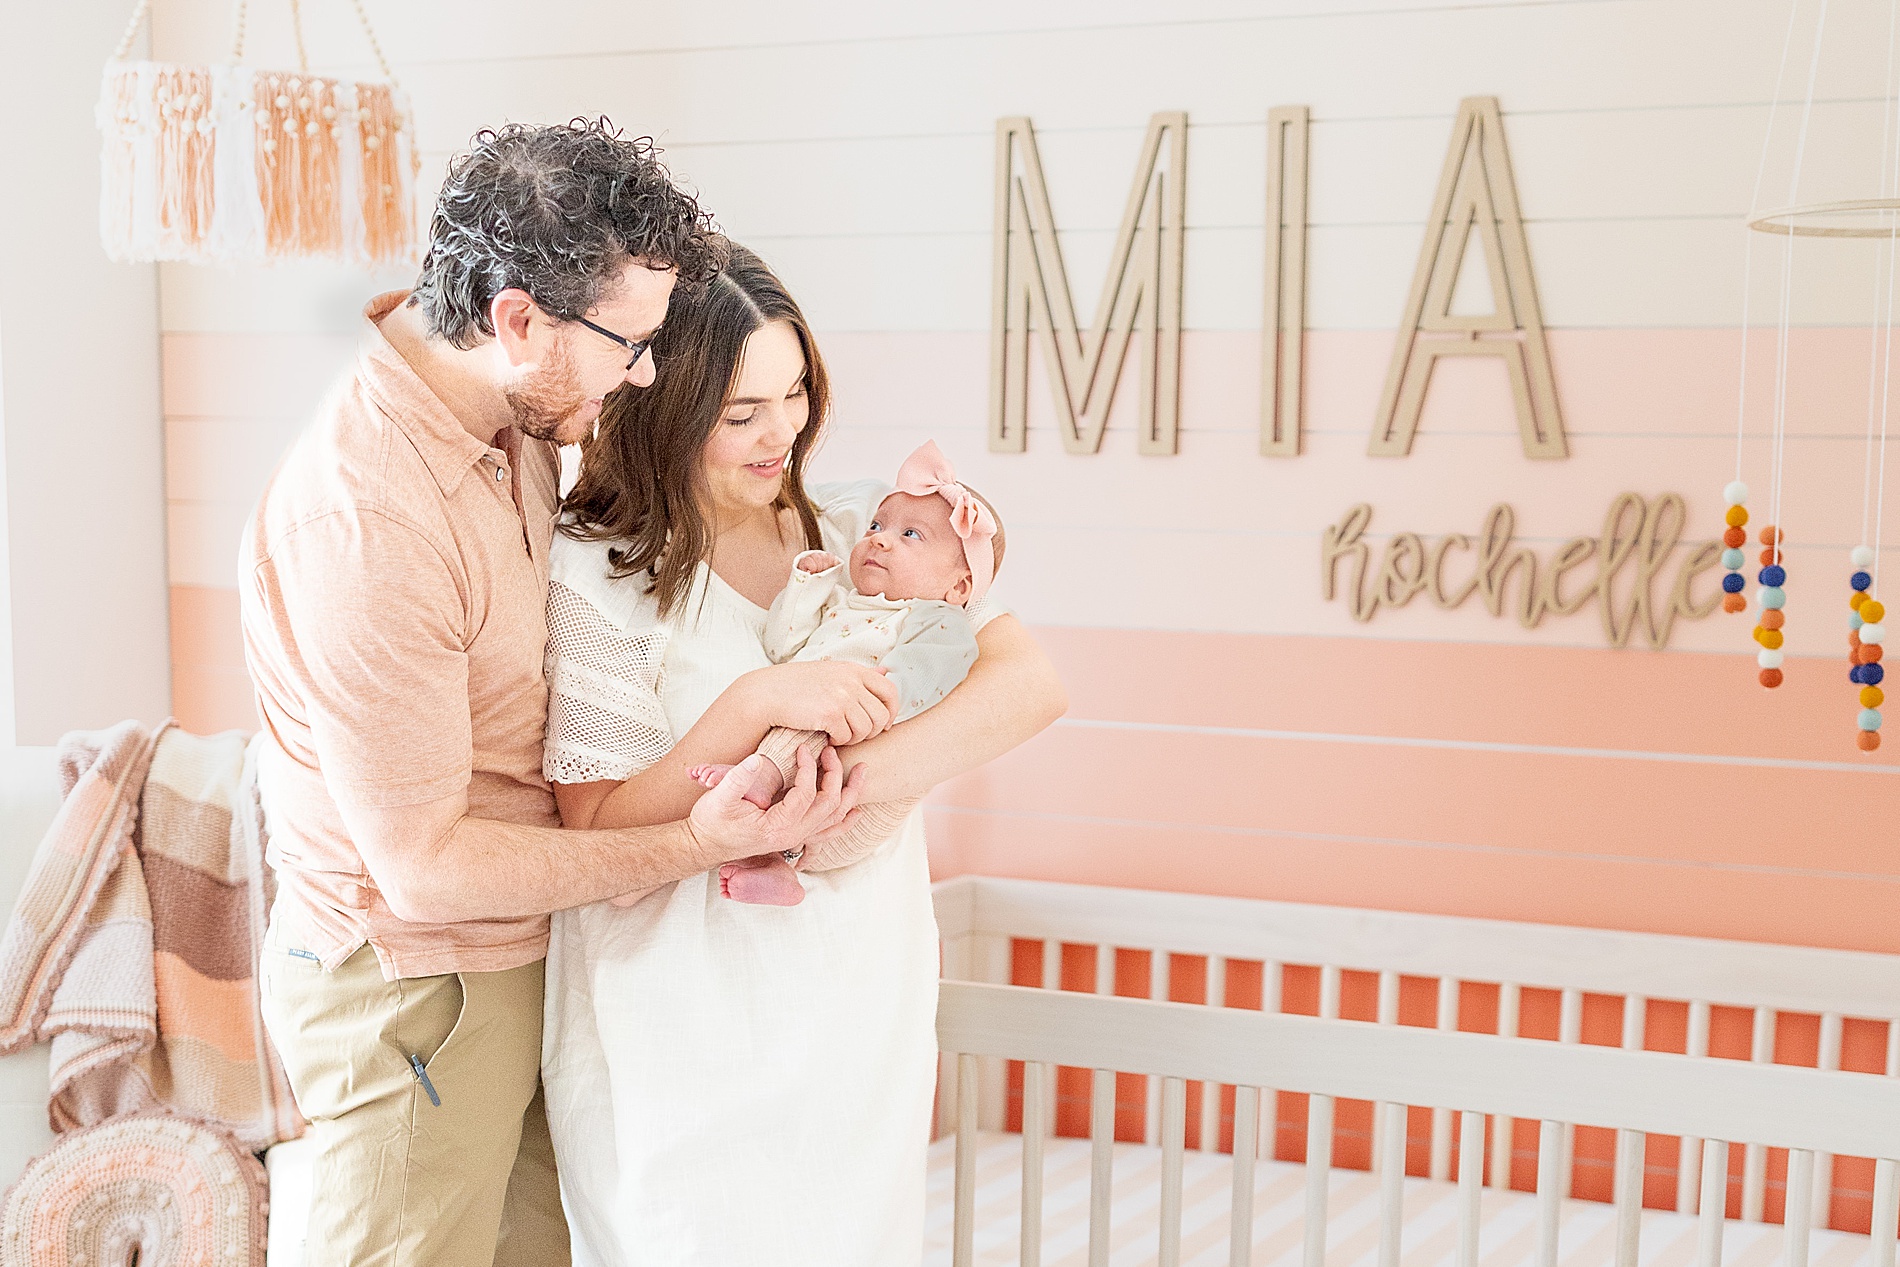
x: 547, y: 399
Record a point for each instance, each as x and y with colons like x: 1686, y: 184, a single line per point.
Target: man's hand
x: 849, y: 702
x: 816, y: 561
x: 819, y: 799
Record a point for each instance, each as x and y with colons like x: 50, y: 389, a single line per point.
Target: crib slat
x: 1319, y: 1163
x: 1268, y: 1137
x: 1105, y: 970
x: 1158, y: 963
x: 1101, y: 1162
x: 1627, y: 1183
x: 1240, y: 1222
x: 1329, y: 987
x: 1830, y: 1059
x: 1570, y: 1030
x: 1688, y: 1148
x: 1627, y: 1190
x: 1798, y: 1218
x: 963, y: 1244
x: 1441, y: 1117
x: 1755, y: 1156
x: 1886, y: 1210
x: 1713, y: 1204
x: 1509, y: 999
x: 1388, y: 1015
x: 1392, y: 1186
x: 1216, y: 996
x: 1036, y: 1076
x: 1470, y: 1186
x: 1173, y: 1146
x: 1550, y: 1137
x: 990, y: 961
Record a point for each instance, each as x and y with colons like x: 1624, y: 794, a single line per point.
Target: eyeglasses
x: 636, y: 346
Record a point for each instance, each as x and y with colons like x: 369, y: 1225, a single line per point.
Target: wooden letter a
x: 1475, y: 196
x: 1141, y: 300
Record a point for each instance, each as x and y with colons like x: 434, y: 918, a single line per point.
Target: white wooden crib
x: 1488, y: 1125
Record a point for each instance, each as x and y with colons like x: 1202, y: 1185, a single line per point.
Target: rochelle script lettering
x: 1636, y: 547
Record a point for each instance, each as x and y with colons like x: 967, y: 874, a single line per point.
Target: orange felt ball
x: 1872, y: 697
x: 1868, y: 740
x: 1737, y: 516
x: 1770, y: 535
x: 1867, y: 653
x: 1859, y: 600
x: 1734, y: 538
x: 1770, y: 638
x: 1871, y: 611
x: 1734, y: 603
x: 1768, y: 556
x: 1772, y: 619
x: 1771, y: 678
x: 1853, y: 639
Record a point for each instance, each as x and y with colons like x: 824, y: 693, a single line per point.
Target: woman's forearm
x: 725, y: 734
x: 1011, y: 694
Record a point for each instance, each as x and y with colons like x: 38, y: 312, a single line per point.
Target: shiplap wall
x: 1232, y: 731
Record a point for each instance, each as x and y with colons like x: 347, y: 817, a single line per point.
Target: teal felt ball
x: 1732, y: 559
x: 1773, y: 596
x: 1870, y: 719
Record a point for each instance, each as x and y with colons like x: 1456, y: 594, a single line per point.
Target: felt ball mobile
x: 1877, y: 219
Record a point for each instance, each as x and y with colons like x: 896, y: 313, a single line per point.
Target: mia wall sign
x: 1141, y: 299
x: 1141, y: 305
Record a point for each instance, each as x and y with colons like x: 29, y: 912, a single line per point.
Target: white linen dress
x: 728, y: 1084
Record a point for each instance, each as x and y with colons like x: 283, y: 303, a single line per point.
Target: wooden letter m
x: 1141, y: 299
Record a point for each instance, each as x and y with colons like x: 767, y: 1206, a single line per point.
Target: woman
x: 731, y: 1084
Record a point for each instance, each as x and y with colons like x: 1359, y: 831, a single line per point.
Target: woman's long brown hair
x: 640, y: 484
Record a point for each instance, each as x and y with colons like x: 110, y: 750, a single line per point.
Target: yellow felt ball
x: 1871, y: 696
x: 1859, y: 598
x: 1770, y: 638
x: 1871, y: 611
x: 1737, y: 516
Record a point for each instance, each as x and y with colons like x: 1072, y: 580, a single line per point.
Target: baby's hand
x: 816, y: 561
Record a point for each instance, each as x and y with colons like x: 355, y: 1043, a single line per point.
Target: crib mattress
x: 1508, y: 1238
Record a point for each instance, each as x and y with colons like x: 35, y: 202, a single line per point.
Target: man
x: 394, y: 584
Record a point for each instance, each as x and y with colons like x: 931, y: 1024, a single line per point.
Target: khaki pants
x: 401, y: 1181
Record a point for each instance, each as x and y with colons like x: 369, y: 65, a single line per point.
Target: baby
x: 932, y: 548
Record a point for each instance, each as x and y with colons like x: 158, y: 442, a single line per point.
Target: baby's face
x: 911, y: 551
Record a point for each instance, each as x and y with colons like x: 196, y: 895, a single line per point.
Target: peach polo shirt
x: 393, y: 585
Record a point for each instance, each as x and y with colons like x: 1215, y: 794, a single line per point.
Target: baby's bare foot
x: 765, y: 787
x: 767, y: 880
x: 708, y: 775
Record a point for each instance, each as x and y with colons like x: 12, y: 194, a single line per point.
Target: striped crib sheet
x: 1508, y: 1239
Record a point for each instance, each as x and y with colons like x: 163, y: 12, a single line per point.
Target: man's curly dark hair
x: 556, y: 211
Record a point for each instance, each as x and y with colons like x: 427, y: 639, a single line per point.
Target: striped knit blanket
x: 135, y: 943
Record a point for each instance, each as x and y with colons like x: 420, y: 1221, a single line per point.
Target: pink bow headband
x: 928, y: 471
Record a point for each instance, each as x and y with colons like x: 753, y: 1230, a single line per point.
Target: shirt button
x: 500, y: 474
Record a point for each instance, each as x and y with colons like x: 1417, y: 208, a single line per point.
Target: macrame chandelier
x: 229, y: 164
x: 1871, y: 218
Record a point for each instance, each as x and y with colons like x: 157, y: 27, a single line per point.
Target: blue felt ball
x: 1772, y: 597
x: 1772, y: 575
x: 1870, y: 719
x: 1732, y: 559
x: 1853, y: 675
x: 1732, y: 583
x: 1860, y: 580
x: 1870, y: 674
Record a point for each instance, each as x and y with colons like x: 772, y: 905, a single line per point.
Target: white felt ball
x: 1736, y: 493
x: 1873, y: 635
x: 1768, y: 659
x: 1862, y: 557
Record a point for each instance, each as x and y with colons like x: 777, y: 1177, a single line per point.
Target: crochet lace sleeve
x: 604, y: 714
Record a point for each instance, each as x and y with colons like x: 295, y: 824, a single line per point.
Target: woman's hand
x: 849, y: 702
x: 819, y: 800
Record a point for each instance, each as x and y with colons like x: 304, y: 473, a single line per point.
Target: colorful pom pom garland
x: 1865, y: 634
x: 1772, y: 597
x: 1734, y: 537
x: 170, y: 1190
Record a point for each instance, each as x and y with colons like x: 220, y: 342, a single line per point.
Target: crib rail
x: 1532, y: 970
x: 1812, y: 1112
